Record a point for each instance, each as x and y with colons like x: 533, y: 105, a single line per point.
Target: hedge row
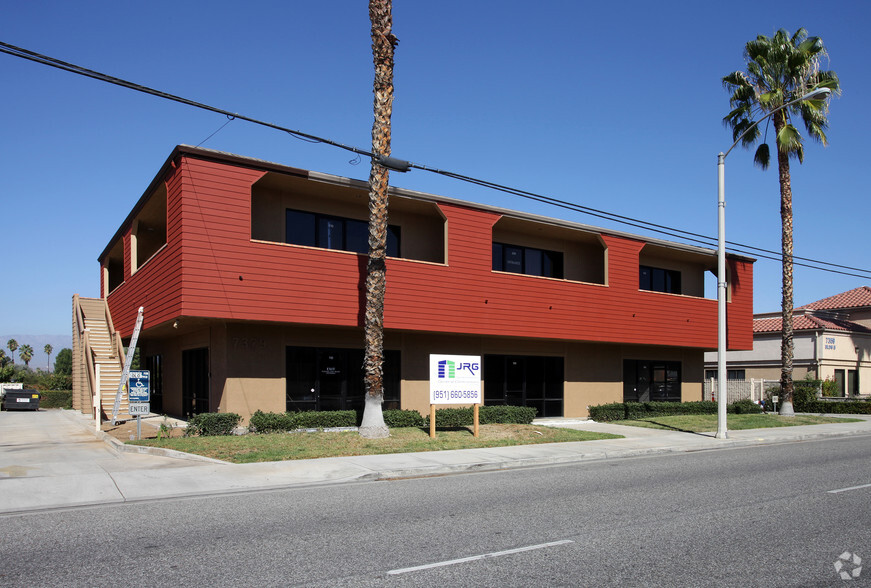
x: 210, y: 424
x: 273, y: 422
x: 449, y: 418
x: 617, y: 411
x: 848, y: 407
x: 55, y: 399
x: 804, y: 399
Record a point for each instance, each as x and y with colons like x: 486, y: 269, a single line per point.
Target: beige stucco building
x: 832, y: 339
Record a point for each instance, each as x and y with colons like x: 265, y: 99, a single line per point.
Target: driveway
x: 49, y: 457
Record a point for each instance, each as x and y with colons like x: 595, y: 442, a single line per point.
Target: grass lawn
x: 284, y: 446
x: 702, y: 423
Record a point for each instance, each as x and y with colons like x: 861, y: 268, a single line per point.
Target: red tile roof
x: 857, y: 297
x: 803, y: 322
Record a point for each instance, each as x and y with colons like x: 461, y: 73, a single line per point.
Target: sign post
x: 139, y: 396
x: 454, y: 379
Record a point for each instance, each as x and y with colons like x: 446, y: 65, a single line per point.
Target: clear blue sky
x: 614, y: 105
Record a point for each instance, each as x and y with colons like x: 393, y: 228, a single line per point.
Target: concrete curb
x: 118, y: 447
x: 498, y: 464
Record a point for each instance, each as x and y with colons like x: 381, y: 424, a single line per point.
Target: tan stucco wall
x: 247, y: 363
x: 773, y: 373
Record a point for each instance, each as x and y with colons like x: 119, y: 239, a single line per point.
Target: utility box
x: 25, y: 399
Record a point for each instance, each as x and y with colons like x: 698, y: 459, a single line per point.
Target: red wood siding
x: 157, y: 284
x: 211, y: 268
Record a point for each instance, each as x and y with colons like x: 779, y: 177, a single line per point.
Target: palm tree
x: 12, y: 344
x: 48, y: 349
x: 780, y: 69
x: 26, y: 354
x: 383, y: 46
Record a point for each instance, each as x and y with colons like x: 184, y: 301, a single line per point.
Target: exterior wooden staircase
x: 97, y: 349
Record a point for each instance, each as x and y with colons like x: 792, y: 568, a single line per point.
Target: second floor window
x: 527, y: 260
x: 659, y: 280
x: 335, y: 232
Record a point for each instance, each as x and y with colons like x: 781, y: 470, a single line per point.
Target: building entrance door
x: 330, y: 378
x: 525, y: 380
x: 195, y: 381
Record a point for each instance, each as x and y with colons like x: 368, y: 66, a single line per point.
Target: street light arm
x: 818, y: 94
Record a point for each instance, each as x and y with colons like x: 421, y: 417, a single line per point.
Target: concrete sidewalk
x: 52, y: 459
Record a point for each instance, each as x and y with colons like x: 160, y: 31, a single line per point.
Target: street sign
x: 140, y: 408
x: 139, y: 388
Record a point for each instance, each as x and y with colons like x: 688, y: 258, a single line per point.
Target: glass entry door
x: 330, y: 378
x: 195, y: 381
x: 525, y: 380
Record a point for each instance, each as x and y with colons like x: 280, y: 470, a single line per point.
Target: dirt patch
x: 126, y: 430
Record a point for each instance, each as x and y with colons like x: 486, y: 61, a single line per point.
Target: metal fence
x: 752, y: 389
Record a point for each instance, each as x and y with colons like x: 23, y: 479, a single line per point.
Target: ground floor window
x: 646, y: 381
x: 730, y: 374
x: 847, y: 382
x: 154, y: 364
x: 321, y: 378
x: 195, y: 381
x: 525, y: 380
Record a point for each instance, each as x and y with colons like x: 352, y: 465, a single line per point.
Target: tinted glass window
x: 357, y: 236
x: 333, y: 232
x: 300, y: 228
x: 658, y: 279
x: 527, y: 260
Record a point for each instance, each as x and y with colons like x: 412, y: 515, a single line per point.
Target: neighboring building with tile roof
x: 832, y: 339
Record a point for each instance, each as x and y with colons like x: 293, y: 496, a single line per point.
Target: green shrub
x: 275, y: 422
x: 616, y: 411
x: 209, y: 424
x: 519, y: 415
x: 270, y: 422
x: 804, y: 393
x: 745, y: 406
x: 403, y: 418
x: 847, y: 407
x: 603, y: 413
x: 322, y: 419
x: 56, y: 399
x: 450, y: 418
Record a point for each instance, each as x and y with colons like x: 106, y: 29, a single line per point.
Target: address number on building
x: 139, y: 409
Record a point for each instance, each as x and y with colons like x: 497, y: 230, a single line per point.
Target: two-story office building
x: 251, y: 276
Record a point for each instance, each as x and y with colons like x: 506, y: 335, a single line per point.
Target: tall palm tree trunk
x: 786, y: 340
x: 383, y: 45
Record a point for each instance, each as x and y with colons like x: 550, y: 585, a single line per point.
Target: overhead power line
x: 403, y: 165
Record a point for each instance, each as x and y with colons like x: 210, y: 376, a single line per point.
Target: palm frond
x: 762, y: 157
x: 789, y: 139
x: 817, y: 132
x: 735, y: 80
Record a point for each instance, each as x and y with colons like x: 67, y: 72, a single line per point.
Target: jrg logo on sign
x: 448, y: 369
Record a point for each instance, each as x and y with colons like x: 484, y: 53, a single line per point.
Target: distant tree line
x: 60, y: 378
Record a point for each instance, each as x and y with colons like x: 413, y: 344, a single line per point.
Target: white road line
x: 850, y: 488
x: 477, y: 557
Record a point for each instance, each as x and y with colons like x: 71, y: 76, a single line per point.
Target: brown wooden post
x: 432, y: 420
x: 475, y: 416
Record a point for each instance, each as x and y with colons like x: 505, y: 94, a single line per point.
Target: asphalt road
x: 758, y: 516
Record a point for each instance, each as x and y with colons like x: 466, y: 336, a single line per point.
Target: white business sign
x: 455, y: 379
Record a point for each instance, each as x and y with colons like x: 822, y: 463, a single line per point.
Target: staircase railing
x: 115, y: 337
x: 87, y: 353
